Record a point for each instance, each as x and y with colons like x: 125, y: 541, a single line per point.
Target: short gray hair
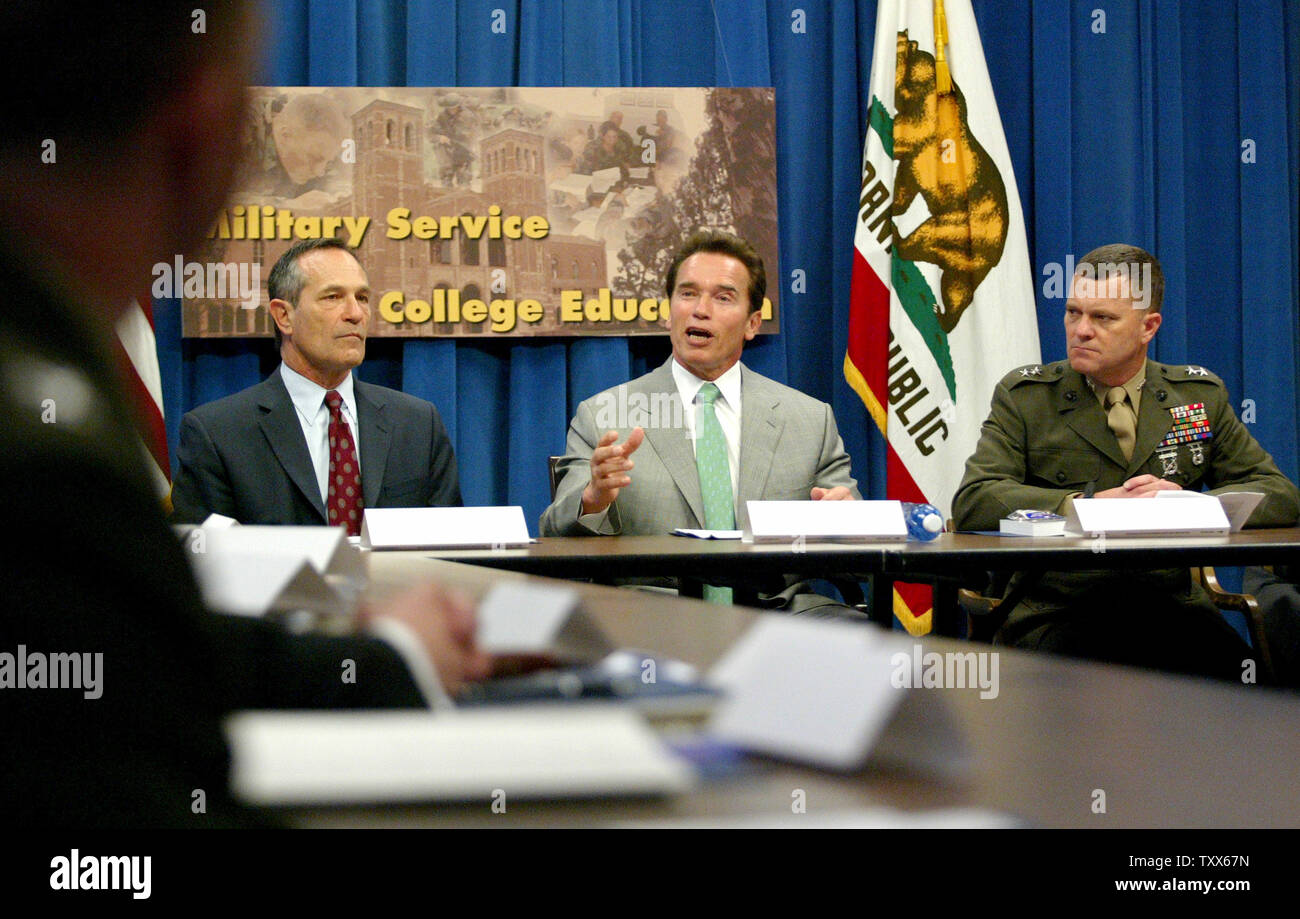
x: 286, y: 280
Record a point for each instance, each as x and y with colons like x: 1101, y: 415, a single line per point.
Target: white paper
x: 254, y: 585
x: 574, y: 184
x: 708, y: 534
x: 1141, y: 517
x: 444, y: 528
x: 326, y: 549
x: 292, y: 758
x: 532, y: 618
x: 823, y: 692
x: 830, y: 521
x: 602, y: 179
x: 1237, y: 505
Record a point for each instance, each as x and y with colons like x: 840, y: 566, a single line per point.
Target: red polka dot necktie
x: 343, y: 496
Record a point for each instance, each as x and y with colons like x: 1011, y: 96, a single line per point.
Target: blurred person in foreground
x: 119, y: 162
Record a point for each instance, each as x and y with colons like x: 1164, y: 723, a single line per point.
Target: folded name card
x: 444, y: 528
x: 1147, y: 517
x: 255, y: 570
x: 245, y: 584
x: 827, y: 521
x: 325, y: 548
x: 533, y: 619
x: 834, y: 693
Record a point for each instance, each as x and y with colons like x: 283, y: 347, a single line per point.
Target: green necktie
x: 715, y: 476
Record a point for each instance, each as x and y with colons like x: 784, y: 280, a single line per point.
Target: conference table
x: 949, y: 560
x: 1164, y: 751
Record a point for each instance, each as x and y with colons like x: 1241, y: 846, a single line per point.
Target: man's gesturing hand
x: 610, y: 464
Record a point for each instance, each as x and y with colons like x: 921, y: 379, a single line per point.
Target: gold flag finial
x: 942, y: 78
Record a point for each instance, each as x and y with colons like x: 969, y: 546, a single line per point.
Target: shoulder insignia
x: 1188, y: 373
x: 1033, y: 373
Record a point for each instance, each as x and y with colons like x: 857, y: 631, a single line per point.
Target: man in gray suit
x: 287, y: 450
x: 780, y: 444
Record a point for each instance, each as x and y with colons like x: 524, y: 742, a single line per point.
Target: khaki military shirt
x: 1046, y: 438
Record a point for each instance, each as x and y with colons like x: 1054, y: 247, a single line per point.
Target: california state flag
x: 943, y: 299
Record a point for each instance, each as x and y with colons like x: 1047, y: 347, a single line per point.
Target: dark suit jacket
x: 245, y: 457
x: 96, y: 569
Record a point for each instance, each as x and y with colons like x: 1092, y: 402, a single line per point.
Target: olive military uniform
x: 1046, y: 439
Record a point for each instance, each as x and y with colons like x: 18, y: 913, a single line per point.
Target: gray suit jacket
x: 244, y: 456
x: 788, y: 444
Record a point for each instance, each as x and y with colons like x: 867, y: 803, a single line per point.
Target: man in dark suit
x: 278, y: 452
x: 137, y: 119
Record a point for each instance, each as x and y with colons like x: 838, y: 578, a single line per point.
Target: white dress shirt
x: 726, y: 409
x: 314, y: 416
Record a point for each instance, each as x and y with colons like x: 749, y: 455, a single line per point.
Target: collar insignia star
x: 1195, y: 371
x: 1033, y: 371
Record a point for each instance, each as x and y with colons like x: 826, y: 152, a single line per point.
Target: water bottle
x: 924, y: 522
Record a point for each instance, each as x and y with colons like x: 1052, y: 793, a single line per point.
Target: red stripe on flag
x: 149, y: 420
x: 146, y: 306
x: 868, y: 349
x: 868, y: 353
x: 918, y: 598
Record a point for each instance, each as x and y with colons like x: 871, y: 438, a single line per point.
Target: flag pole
x: 942, y: 78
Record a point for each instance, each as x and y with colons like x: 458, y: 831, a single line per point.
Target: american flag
x: 138, y: 356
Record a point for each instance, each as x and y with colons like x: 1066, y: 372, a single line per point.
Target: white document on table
x: 834, y: 693
x: 827, y: 521
x: 1237, y: 505
x: 531, y: 618
x: 708, y: 534
x: 1191, y: 515
x: 255, y: 570
x: 326, y: 549
x: 253, y: 585
x: 340, y: 758
x: 444, y: 528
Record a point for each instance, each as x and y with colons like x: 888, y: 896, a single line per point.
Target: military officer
x: 1109, y: 423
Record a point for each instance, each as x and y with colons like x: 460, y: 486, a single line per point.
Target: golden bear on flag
x: 939, y: 158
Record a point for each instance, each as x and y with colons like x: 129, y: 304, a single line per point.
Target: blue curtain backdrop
x: 1134, y: 134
